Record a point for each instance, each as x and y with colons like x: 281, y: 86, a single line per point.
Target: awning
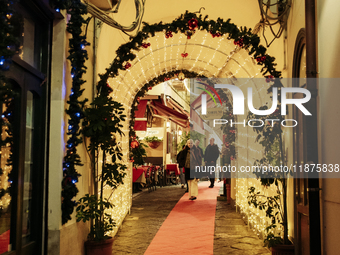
x: 198, y: 101
x: 140, y: 120
x: 141, y: 109
x: 140, y: 125
x: 176, y: 106
x: 175, y: 116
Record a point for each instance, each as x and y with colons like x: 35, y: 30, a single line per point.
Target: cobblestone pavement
x: 150, y: 209
x: 232, y: 235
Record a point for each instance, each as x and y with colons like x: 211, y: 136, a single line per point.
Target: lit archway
x: 161, y: 51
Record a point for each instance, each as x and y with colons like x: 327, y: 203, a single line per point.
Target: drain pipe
x: 311, y: 122
x: 95, y: 41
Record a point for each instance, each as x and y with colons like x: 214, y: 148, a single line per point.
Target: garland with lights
x: 77, y: 56
x: 187, y: 23
x: 269, y: 135
x: 228, y: 130
x: 7, y: 95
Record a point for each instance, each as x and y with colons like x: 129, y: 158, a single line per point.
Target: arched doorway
x: 208, y: 48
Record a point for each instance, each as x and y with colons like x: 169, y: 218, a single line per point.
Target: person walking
x: 189, y: 159
x: 210, y: 156
x: 181, y: 167
x: 199, y: 152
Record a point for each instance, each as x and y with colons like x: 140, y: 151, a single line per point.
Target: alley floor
x: 150, y: 209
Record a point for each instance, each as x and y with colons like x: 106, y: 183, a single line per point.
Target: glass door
x: 22, y: 162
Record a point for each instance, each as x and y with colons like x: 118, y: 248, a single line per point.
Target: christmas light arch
x: 187, y: 23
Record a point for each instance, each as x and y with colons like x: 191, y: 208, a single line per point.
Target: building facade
x: 42, y: 75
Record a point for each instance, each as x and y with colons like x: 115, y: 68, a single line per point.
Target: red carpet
x: 189, y: 228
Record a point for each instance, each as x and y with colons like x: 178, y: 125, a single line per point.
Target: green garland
x: 243, y: 37
x: 186, y: 23
x: 77, y: 56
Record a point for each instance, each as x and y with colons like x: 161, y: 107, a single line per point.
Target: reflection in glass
x: 27, y: 197
x: 5, y: 182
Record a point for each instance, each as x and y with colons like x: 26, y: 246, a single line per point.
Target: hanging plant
x: 153, y: 141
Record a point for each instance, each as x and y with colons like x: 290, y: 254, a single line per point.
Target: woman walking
x: 189, y: 159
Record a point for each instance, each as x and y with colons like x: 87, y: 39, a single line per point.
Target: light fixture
x: 168, y: 124
x: 181, y: 76
x: 180, y: 132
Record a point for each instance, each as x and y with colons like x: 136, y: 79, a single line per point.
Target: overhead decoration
x: 243, y: 38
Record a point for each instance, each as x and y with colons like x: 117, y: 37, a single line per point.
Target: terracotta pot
x: 154, y: 144
x: 283, y: 250
x: 103, y: 247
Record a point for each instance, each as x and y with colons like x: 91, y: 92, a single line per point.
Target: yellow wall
x: 328, y: 112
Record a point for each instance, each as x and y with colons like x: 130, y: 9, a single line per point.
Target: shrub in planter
x: 101, y: 126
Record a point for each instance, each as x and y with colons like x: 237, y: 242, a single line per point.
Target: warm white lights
x: 214, y: 57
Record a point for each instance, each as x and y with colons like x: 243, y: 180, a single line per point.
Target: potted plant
x: 153, y: 141
x: 275, y: 207
x: 101, y: 127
